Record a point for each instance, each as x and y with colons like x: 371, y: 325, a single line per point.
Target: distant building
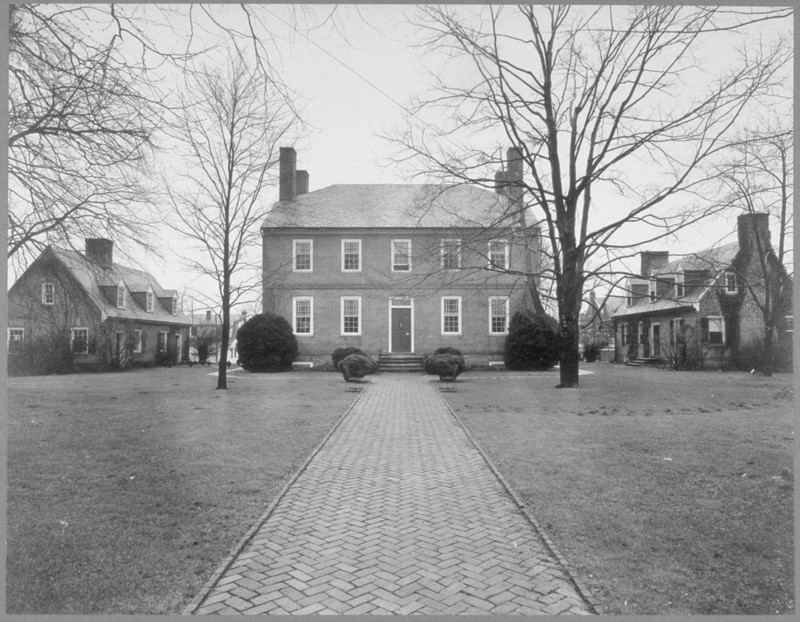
x: 100, y: 312
x: 396, y: 268
x: 207, y: 323
x: 705, y: 299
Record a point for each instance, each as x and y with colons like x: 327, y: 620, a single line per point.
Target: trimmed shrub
x: 444, y: 365
x: 456, y: 353
x: 266, y: 344
x: 356, y: 366
x: 339, y: 354
x: 591, y: 352
x: 532, y: 342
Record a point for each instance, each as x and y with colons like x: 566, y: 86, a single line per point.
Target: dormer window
x: 629, y: 300
x: 730, y: 283
x: 151, y: 301
x: 652, y: 290
x: 121, y: 296
x: 174, y: 305
x: 679, y: 288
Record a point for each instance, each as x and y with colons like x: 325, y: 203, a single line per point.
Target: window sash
x: 161, y: 342
x: 303, y: 310
x: 401, y: 255
x: 498, y: 315
x: 351, y: 316
x: 789, y: 323
x: 451, y: 316
x: 730, y: 283
x: 48, y: 294
x: 79, y: 342
x: 451, y: 254
x: 351, y: 255
x: 120, y: 297
x: 150, y: 302
x: 137, y: 341
x: 498, y: 254
x: 303, y: 255
x: 16, y: 340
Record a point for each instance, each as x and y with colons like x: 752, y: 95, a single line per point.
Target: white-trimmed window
x: 626, y: 338
x: 351, y: 255
x: 652, y: 290
x: 303, y: 315
x: 629, y: 299
x: 174, y: 305
x: 713, y: 330
x: 679, y: 287
x: 451, y: 254
x: 48, y: 294
x: 137, y: 341
x: 161, y: 342
x: 451, y: 315
x: 302, y: 255
x: 498, y: 254
x: 151, y: 301
x: 16, y: 340
x: 79, y: 341
x: 498, y: 315
x: 351, y: 315
x: 121, y: 297
x: 401, y: 255
x: 788, y: 322
x: 730, y: 283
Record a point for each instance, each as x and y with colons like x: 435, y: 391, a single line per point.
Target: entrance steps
x: 400, y: 362
x: 642, y: 361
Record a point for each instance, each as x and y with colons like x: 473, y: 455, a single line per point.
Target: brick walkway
x: 397, y: 513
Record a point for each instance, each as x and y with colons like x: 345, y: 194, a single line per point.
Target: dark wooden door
x: 401, y: 330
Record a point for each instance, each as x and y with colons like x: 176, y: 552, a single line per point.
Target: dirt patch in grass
x: 667, y: 492
x: 125, y: 491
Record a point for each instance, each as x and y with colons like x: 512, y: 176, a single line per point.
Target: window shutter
x: 704, y: 330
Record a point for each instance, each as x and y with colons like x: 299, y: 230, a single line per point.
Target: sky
x: 354, y: 71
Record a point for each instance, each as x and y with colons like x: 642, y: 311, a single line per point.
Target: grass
x: 667, y: 492
x: 125, y: 491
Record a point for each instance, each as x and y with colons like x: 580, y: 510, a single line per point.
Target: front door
x: 401, y: 329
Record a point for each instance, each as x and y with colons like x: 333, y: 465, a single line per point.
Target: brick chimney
x: 500, y: 183
x: 752, y: 225
x: 288, y: 174
x: 652, y: 260
x: 100, y: 251
x: 504, y: 181
x: 301, y: 183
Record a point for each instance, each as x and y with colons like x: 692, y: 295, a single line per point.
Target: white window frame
x: 150, y: 301
x: 442, y: 245
x: 310, y: 243
x: 122, y: 296
x: 726, y: 287
x: 505, y: 301
x: 48, y: 294
x: 137, y: 341
x: 158, y: 342
x: 72, y: 339
x: 459, y: 315
x: 344, y: 300
x: 344, y: 243
x: 722, y: 329
x: 310, y: 301
x: 21, y: 340
x: 680, y: 288
x: 505, y: 246
x: 789, y: 323
x: 174, y: 305
x: 394, y: 265
x: 652, y: 290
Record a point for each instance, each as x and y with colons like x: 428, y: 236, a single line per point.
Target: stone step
x: 400, y: 362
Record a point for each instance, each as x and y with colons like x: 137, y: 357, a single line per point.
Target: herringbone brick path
x: 398, y: 513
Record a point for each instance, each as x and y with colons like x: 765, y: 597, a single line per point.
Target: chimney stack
x: 301, y: 183
x: 288, y: 174
x: 500, y: 183
x: 100, y: 251
x: 752, y: 225
x: 653, y: 260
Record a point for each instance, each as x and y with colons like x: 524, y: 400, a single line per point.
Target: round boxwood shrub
x: 455, y: 352
x: 443, y: 365
x: 591, y: 352
x: 532, y: 342
x: 356, y: 366
x: 266, y: 344
x: 339, y: 354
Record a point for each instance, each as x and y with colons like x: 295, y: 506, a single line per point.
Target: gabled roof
x: 713, y: 261
x: 92, y: 277
x: 391, y: 206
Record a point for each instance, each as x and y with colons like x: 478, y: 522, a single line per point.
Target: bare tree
x: 231, y: 124
x: 758, y: 180
x: 592, y: 99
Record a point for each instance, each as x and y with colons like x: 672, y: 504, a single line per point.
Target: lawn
x: 667, y: 492
x: 125, y: 491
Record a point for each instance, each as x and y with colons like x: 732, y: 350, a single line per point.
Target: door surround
x: 400, y: 302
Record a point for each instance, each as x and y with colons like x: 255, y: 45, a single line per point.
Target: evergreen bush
x: 591, y: 352
x: 339, y: 354
x: 456, y: 353
x: 444, y: 365
x: 266, y: 343
x: 532, y: 342
x: 356, y: 366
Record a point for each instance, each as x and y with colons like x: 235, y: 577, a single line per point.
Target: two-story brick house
x: 395, y: 268
x: 709, y: 299
x: 108, y: 314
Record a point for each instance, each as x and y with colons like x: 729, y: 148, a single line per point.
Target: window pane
x: 401, y: 255
x: 497, y: 254
x: 451, y: 306
x: 302, y: 257
x: 450, y: 322
x: 450, y: 259
x: 498, y: 324
x: 352, y: 251
x: 351, y: 316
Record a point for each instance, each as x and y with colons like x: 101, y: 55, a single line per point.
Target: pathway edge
x: 585, y: 593
x: 195, y: 603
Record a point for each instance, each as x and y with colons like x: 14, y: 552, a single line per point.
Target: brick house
x: 705, y: 300
x: 396, y: 269
x: 106, y: 314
